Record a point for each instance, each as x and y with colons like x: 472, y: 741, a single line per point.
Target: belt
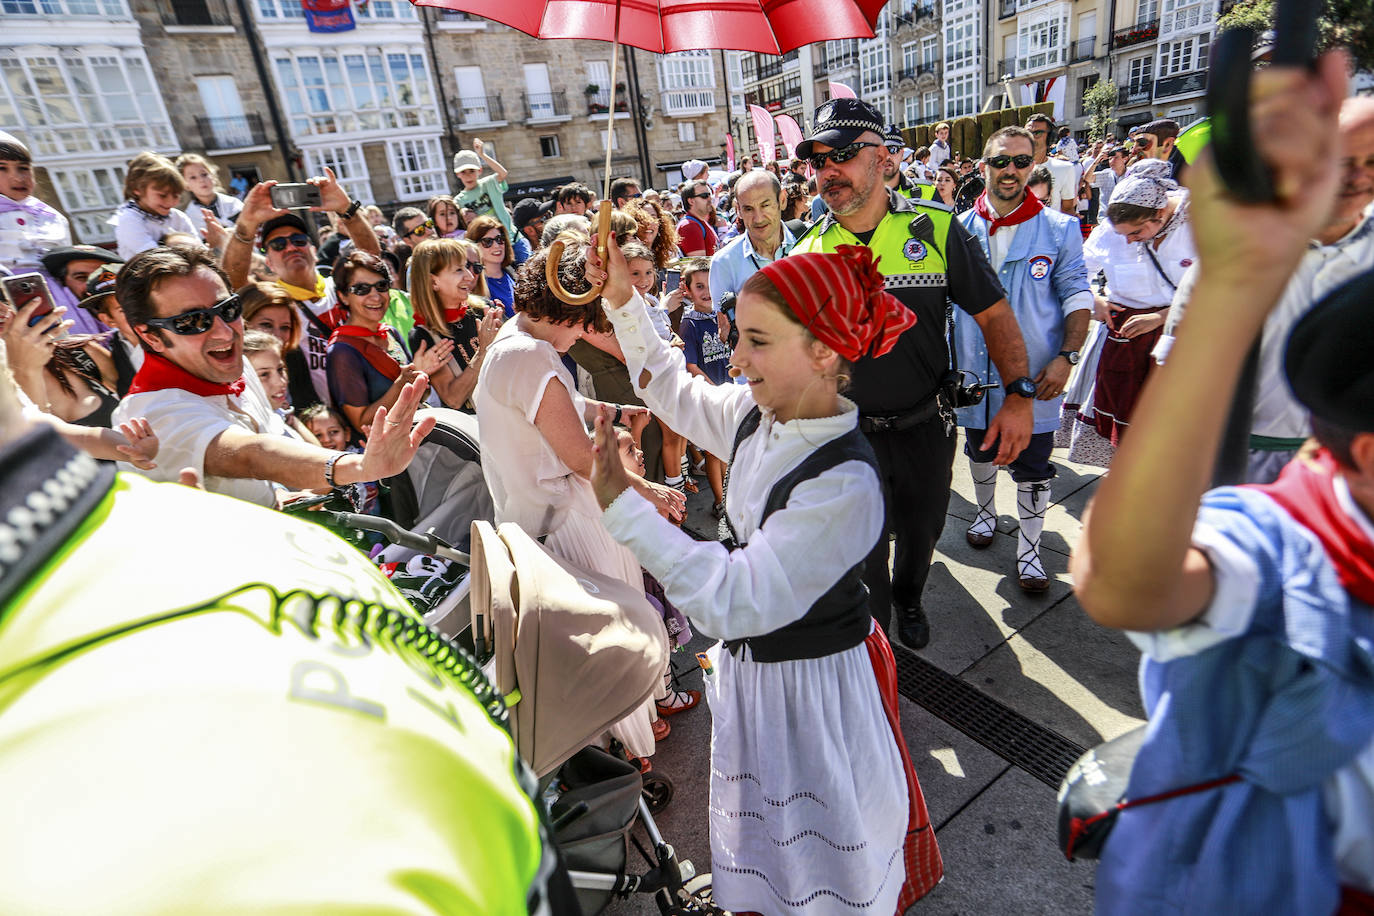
x: 898, y: 422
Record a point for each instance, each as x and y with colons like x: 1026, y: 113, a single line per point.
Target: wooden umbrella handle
x: 603, y: 233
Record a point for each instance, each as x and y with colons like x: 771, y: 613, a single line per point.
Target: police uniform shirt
x: 908, y: 375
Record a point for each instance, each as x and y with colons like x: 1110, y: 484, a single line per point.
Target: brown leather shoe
x: 661, y: 729
x: 978, y: 539
x: 1034, y: 584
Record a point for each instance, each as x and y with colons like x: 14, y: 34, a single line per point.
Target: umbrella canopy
x: 664, y: 26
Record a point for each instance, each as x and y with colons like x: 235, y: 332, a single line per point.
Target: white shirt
x: 187, y: 423
x: 226, y: 209
x: 138, y: 230
x: 530, y: 485
x: 27, y: 234
x: 1132, y: 278
x: 939, y: 154
x: 1063, y: 185
x: 1349, y: 792
x: 315, y: 339
x: 776, y: 578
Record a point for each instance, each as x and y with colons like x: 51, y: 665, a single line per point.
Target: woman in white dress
x: 814, y: 807
x: 536, y: 453
x: 1144, y: 246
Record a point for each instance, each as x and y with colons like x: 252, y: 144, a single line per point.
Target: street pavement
x: 1039, y: 655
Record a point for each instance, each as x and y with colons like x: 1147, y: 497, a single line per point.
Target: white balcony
x: 685, y: 103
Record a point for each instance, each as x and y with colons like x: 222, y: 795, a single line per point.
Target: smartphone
x: 22, y: 289
x: 295, y: 196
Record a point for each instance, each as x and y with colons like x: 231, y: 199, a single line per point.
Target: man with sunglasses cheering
x: 927, y: 257
x: 285, y: 242
x: 193, y: 391
x: 1038, y: 256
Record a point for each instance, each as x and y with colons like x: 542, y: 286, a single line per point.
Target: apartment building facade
x: 1048, y: 50
x: 1159, y: 58
x: 90, y: 83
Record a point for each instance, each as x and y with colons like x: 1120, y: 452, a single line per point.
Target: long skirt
x: 583, y: 540
x: 815, y: 808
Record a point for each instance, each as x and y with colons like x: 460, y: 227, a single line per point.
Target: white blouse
x: 1132, y: 278
x: 828, y: 525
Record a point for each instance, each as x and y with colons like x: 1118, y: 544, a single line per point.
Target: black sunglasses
x: 295, y: 240
x: 491, y: 241
x: 1021, y: 162
x: 427, y: 224
x: 1144, y: 142
x: 362, y: 289
x: 198, y: 321
x: 843, y: 154
x: 474, y: 267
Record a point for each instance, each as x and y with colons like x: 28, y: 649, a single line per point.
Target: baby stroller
x: 574, y: 652
x: 429, y: 514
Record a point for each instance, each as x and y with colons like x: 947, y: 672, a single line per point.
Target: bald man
x: 758, y: 204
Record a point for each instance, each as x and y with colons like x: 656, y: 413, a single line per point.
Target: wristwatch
x: 352, y: 210
x: 1071, y: 355
x: 1022, y: 387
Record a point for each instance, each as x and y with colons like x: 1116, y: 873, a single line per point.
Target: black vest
x: 840, y: 619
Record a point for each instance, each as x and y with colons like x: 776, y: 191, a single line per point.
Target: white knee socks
x: 985, y: 492
x: 1032, y: 499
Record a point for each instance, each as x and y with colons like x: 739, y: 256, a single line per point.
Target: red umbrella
x: 664, y: 26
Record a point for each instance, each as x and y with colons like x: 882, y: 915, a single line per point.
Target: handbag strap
x: 1149, y: 249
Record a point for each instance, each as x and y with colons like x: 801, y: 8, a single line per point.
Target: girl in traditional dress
x: 814, y: 806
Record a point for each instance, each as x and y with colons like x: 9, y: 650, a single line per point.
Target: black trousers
x: 916, y: 466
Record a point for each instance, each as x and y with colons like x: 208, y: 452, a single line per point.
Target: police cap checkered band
x: 839, y: 122
x: 892, y: 137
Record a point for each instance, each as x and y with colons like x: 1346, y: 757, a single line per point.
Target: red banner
x: 791, y: 134
x: 328, y: 15
x: 763, y: 133
x: 729, y: 152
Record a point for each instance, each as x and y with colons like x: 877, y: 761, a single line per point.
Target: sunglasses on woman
x: 1000, y: 162
x: 295, y: 240
x: 362, y: 289
x: 427, y: 224
x: 491, y: 241
x: 198, y: 321
x: 843, y: 154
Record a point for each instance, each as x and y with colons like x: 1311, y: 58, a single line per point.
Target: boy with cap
x: 482, y: 195
x: 100, y: 303
x: 1252, y: 605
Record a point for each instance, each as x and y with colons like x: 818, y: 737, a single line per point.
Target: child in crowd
x: 706, y: 354
x: 152, y: 189
x: 202, y: 180
x: 30, y: 228
x: 264, y: 353
x: 448, y: 219
x: 328, y: 426
x: 643, y: 276
x: 806, y: 739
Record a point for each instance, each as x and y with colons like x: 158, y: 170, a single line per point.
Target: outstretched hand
x: 609, y: 477
x: 394, y: 436
x: 141, y: 444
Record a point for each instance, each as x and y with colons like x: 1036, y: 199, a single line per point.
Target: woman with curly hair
x: 656, y: 230
x: 536, y: 453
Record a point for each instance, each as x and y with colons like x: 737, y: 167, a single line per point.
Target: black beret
x: 1330, y: 356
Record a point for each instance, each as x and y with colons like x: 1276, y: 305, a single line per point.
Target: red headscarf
x: 840, y: 299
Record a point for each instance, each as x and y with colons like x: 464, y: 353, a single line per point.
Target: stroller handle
x: 425, y: 543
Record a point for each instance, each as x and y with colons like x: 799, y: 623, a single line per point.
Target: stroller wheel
x: 658, y: 791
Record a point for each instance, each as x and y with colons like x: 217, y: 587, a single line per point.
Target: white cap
x: 693, y: 169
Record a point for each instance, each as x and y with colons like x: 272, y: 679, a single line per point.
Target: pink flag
x: 791, y: 134
x: 841, y: 91
x: 729, y: 152
x: 763, y: 133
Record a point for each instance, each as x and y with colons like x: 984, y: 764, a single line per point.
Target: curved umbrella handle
x: 603, y: 233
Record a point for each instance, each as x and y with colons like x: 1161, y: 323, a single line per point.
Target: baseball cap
x: 466, y: 159
x: 100, y: 284
x: 529, y: 210
x: 290, y: 220
x: 839, y: 122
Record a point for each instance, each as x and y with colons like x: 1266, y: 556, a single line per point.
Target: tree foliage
x: 1100, y: 104
x: 1348, y: 23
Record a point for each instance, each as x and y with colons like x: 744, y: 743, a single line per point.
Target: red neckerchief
x: 1030, y: 206
x: 377, y: 357
x: 1306, y: 491
x: 452, y: 316
x: 159, y: 373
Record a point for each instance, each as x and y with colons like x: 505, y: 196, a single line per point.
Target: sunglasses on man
x: 843, y: 154
x: 295, y: 240
x: 199, y: 321
x: 362, y: 289
x: 1021, y: 162
x: 1144, y: 142
x: 423, y: 227
x: 491, y: 241
x: 474, y: 267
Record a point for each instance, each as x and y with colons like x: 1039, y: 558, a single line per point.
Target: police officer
x: 927, y: 258
x: 893, y: 176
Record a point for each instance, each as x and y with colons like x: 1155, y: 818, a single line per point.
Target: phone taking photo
x: 21, y: 290
x: 300, y: 196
